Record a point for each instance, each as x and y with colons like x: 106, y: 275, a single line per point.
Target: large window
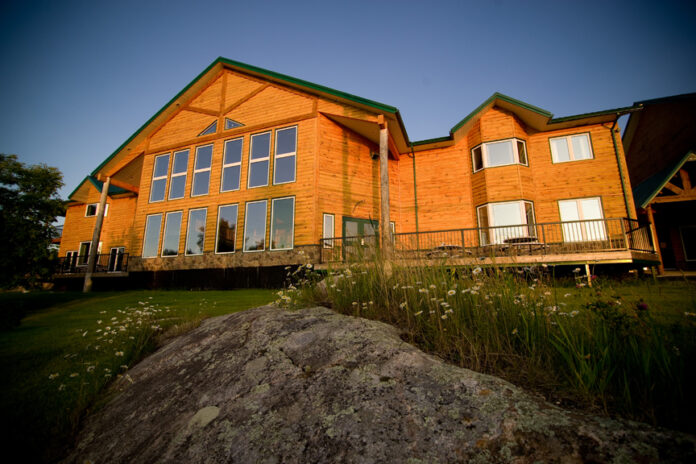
x: 201, y: 170
x: 571, y: 148
x: 285, y: 150
x: 159, y: 178
x: 231, y: 165
x: 172, y: 231
x: 196, y: 231
x: 259, y: 159
x: 328, y: 230
x: 282, y: 223
x: 226, y: 229
x: 585, y: 217
x: 506, y: 222
x: 500, y: 153
x: 177, y: 185
x: 255, y: 226
x: 153, y: 226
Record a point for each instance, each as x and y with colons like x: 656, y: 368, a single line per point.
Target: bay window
x: 499, y: 153
x: 506, y: 221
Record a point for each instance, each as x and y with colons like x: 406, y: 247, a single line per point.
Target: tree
x: 29, y: 205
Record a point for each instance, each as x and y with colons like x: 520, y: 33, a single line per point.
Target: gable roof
x: 97, y: 184
x: 647, y: 190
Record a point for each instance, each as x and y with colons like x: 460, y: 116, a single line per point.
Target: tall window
x: 159, y: 178
x: 83, y: 256
x: 282, y: 223
x: 328, y: 230
x: 285, y: 150
x: 196, y: 231
x: 587, y: 220
x: 153, y: 226
x: 255, y: 226
x: 177, y: 185
x: 172, y: 232
x: 259, y: 159
x: 201, y: 170
x: 506, y: 221
x: 231, y: 165
x: 226, y: 229
x: 500, y: 153
x: 571, y: 148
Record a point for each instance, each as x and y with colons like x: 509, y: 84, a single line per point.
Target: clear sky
x: 79, y: 77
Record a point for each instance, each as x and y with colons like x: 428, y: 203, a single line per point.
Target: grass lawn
x: 68, y: 346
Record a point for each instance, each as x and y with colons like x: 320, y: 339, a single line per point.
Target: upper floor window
x: 159, y: 178
x: 231, y: 165
x: 93, y: 208
x: 201, y: 170
x: 259, y: 159
x: 285, y: 150
x: 500, y: 153
x: 506, y: 222
x: 177, y: 185
x: 571, y: 148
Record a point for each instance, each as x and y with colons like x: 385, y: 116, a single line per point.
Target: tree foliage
x: 29, y: 205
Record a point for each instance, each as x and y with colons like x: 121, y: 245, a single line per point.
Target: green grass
x: 624, y: 348
x: 55, y: 364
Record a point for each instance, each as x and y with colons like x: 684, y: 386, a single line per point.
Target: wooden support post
x: 96, y: 234
x: 384, y: 224
x: 589, y: 276
x: 656, y: 243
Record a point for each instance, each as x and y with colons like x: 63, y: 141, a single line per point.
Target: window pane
x: 328, y: 230
x: 201, y: 180
x: 227, y: 229
x: 157, y: 189
x: 478, y: 159
x: 258, y: 174
x: 84, y: 252
x: 283, y: 223
x: 153, y: 224
x: 569, y: 212
x: 285, y: 140
x: 161, y: 166
x: 233, y: 151
x: 255, y: 226
x: 260, y: 145
x: 591, y: 208
x: 559, y: 150
x: 230, y: 178
x: 203, y: 157
x: 484, y: 232
x: 196, y: 232
x: 180, y: 162
x: 581, y: 147
x: 506, y: 214
x: 231, y: 124
x: 522, y: 152
x: 177, y: 187
x: 172, y: 230
x: 211, y: 129
x: 91, y: 210
x: 284, y: 170
x: 500, y: 153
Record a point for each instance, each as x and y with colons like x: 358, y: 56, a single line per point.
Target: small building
x: 660, y: 144
x: 247, y: 167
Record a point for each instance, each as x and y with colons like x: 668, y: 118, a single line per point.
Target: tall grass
x: 605, y: 354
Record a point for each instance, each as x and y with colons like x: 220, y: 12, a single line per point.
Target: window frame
x: 96, y: 209
x: 328, y: 241
x: 246, y: 222
x: 183, y: 174
x: 198, y: 171
x: 491, y: 238
x: 582, y: 222
x: 292, y: 232
x: 217, y: 229
x: 232, y: 165
x: 259, y: 160
x: 164, y: 233
x: 292, y: 154
x: 85, y: 258
x: 164, y: 177
x: 159, y: 237
x: 483, y: 146
x: 569, y: 143
x: 188, y: 231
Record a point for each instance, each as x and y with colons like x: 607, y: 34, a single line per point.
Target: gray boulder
x: 311, y: 386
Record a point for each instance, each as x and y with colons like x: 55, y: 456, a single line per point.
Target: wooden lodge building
x: 246, y: 167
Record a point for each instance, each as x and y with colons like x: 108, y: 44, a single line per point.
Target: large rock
x: 276, y: 386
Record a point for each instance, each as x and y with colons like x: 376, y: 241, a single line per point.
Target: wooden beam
x: 656, y: 243
x: 125, y: 185
x: 245, y: 98
x: 673, y: 188
x: 121, y: 164
x: 392, y: 148
x: 195, y: 109
x: 686, y: 182
x: 675, y: 198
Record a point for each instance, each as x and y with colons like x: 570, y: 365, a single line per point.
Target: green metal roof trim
x: 644, y: 192
x: 625, y: 109
x: 113, y: 190
x: 435, y: 140
x: 505, y: 98
x: 293, y: 80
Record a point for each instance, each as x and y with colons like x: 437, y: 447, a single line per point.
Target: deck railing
x: 106, y: 263
x: 554, y: 238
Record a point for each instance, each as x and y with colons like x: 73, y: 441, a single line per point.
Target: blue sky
x: 79, y: 77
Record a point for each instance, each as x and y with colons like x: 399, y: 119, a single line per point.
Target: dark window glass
x: 255, y: 226
x: 227, y: 229
x: 196, y: 232
x: 283, y: 214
